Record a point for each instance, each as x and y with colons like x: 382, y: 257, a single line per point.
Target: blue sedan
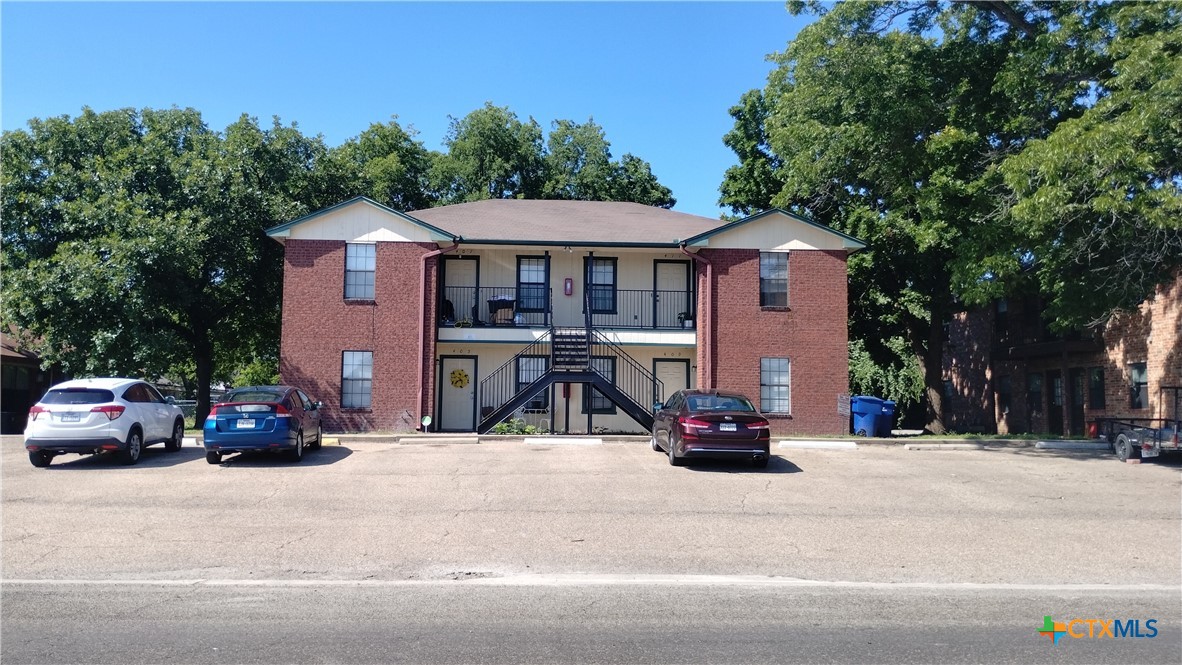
x: 263, y: 418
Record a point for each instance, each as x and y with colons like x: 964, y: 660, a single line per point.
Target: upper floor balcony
x: 534, y: 307
x: 502, y: 294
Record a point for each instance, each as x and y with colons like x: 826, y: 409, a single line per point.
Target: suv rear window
x: 78, y: 396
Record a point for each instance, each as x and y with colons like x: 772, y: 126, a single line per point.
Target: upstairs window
x: 1001, y: 319
x: 601, y: 285
x: 360, y: 262
x: 773, y: 279
x: 531, y: 284
x: 1138, y: 386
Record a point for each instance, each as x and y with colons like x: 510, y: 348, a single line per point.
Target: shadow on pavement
x: 775, y: 464
x: 1171, y: 460
x: 152, y: 457
x: 323, y: 457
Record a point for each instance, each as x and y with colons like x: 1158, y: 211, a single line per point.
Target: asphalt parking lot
x: 382, y: 511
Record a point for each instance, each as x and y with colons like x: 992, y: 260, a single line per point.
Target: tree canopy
x: 975, y: 147
x: 133, y: 240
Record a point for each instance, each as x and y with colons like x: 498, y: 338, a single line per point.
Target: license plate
x: 1151, y: 451
x: 71, y: 417
x: 244, y: 423
x: 727, y: 427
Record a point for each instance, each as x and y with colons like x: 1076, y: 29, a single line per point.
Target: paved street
x: 507, y: 552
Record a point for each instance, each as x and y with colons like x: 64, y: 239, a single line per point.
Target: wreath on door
x: 459, y: 378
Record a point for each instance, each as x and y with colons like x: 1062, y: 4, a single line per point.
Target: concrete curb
x: 1073, y: 445
x: 819, y: 445
x: 562, y: 440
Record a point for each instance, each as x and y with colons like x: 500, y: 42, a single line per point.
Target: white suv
x: 97, y: 415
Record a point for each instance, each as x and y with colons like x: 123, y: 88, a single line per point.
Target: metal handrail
x: 501, y: 385
x: 633, y: 379
x: 496, y: 306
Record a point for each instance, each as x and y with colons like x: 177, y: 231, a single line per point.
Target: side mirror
x: 170, y: 400
x: 318, y: 405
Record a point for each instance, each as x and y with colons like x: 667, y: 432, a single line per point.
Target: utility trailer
x: 1147, y: 437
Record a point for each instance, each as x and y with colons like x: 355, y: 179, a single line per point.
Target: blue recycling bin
x: 886, y: 419
x: 866, y: 411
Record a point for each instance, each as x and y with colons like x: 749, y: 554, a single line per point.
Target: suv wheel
x: 213, y: 457
x: 135, y: 444
x: 40, y: 458
x: 178, y: 437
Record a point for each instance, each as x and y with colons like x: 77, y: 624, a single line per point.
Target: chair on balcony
x: 447, y: 313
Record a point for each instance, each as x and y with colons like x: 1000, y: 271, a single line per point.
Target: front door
x: 1078, y: 390
x: 672, y: 301
x: 1055, y: 402
x: 673, y: 374
x: 459, y: 297
x: 457, y: 394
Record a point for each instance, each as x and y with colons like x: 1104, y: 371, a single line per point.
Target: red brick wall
x: 812, y: 333
x: 318, y: 325
x: 1151, y: 334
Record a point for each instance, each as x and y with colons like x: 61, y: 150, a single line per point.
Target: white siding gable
x: 778, y: 231
x: 360, y: 222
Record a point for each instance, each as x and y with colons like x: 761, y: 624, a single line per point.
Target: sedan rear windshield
x: 253, y: 396
x: 78, y: 396
x: 719, y: 403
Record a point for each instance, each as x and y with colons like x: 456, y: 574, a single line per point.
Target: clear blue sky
x: 659, y: 77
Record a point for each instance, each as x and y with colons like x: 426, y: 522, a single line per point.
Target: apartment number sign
x: 459, y: 378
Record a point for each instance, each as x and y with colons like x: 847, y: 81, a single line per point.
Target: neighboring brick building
x: 1005, y: 372
x: 473, y: 312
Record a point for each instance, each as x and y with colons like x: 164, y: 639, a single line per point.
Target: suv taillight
x: 112, y: 411
x: 34, y: 410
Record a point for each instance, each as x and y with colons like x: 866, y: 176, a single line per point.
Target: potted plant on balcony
x: 685, y: 319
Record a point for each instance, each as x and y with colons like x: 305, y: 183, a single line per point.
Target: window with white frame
x: 773, y: 279
x: 360, y: 265
x: 775, y: 385
x: 593, y: 400
x: 530, y: 369
x: 356, y: 379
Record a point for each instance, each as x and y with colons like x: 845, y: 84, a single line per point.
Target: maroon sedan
x: 709, y: 423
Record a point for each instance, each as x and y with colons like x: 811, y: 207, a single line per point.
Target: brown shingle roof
x: 565, y: 222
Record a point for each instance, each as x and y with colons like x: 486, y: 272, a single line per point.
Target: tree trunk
x: 927, y: 341
x: 203, y: 358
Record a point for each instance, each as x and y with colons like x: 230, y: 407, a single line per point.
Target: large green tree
x: 134, y: 240
x: 918, y: 127
x: 492, y: 154
x: 387, y: 164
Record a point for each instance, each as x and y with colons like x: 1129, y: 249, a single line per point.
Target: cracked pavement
x: 381, y: 511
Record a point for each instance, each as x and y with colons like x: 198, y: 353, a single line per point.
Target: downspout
x: 707, y: 329
x: 455, y: 243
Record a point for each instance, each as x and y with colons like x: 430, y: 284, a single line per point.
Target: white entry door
x: 674, y: 374
x: 459, y: 288
x: 457, y: 404
x: 673, y: 293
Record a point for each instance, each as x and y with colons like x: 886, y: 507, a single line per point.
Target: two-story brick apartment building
x: 574, y: 315
x: 1006, y: 372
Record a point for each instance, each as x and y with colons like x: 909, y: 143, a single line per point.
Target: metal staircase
x: 569, y: 351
